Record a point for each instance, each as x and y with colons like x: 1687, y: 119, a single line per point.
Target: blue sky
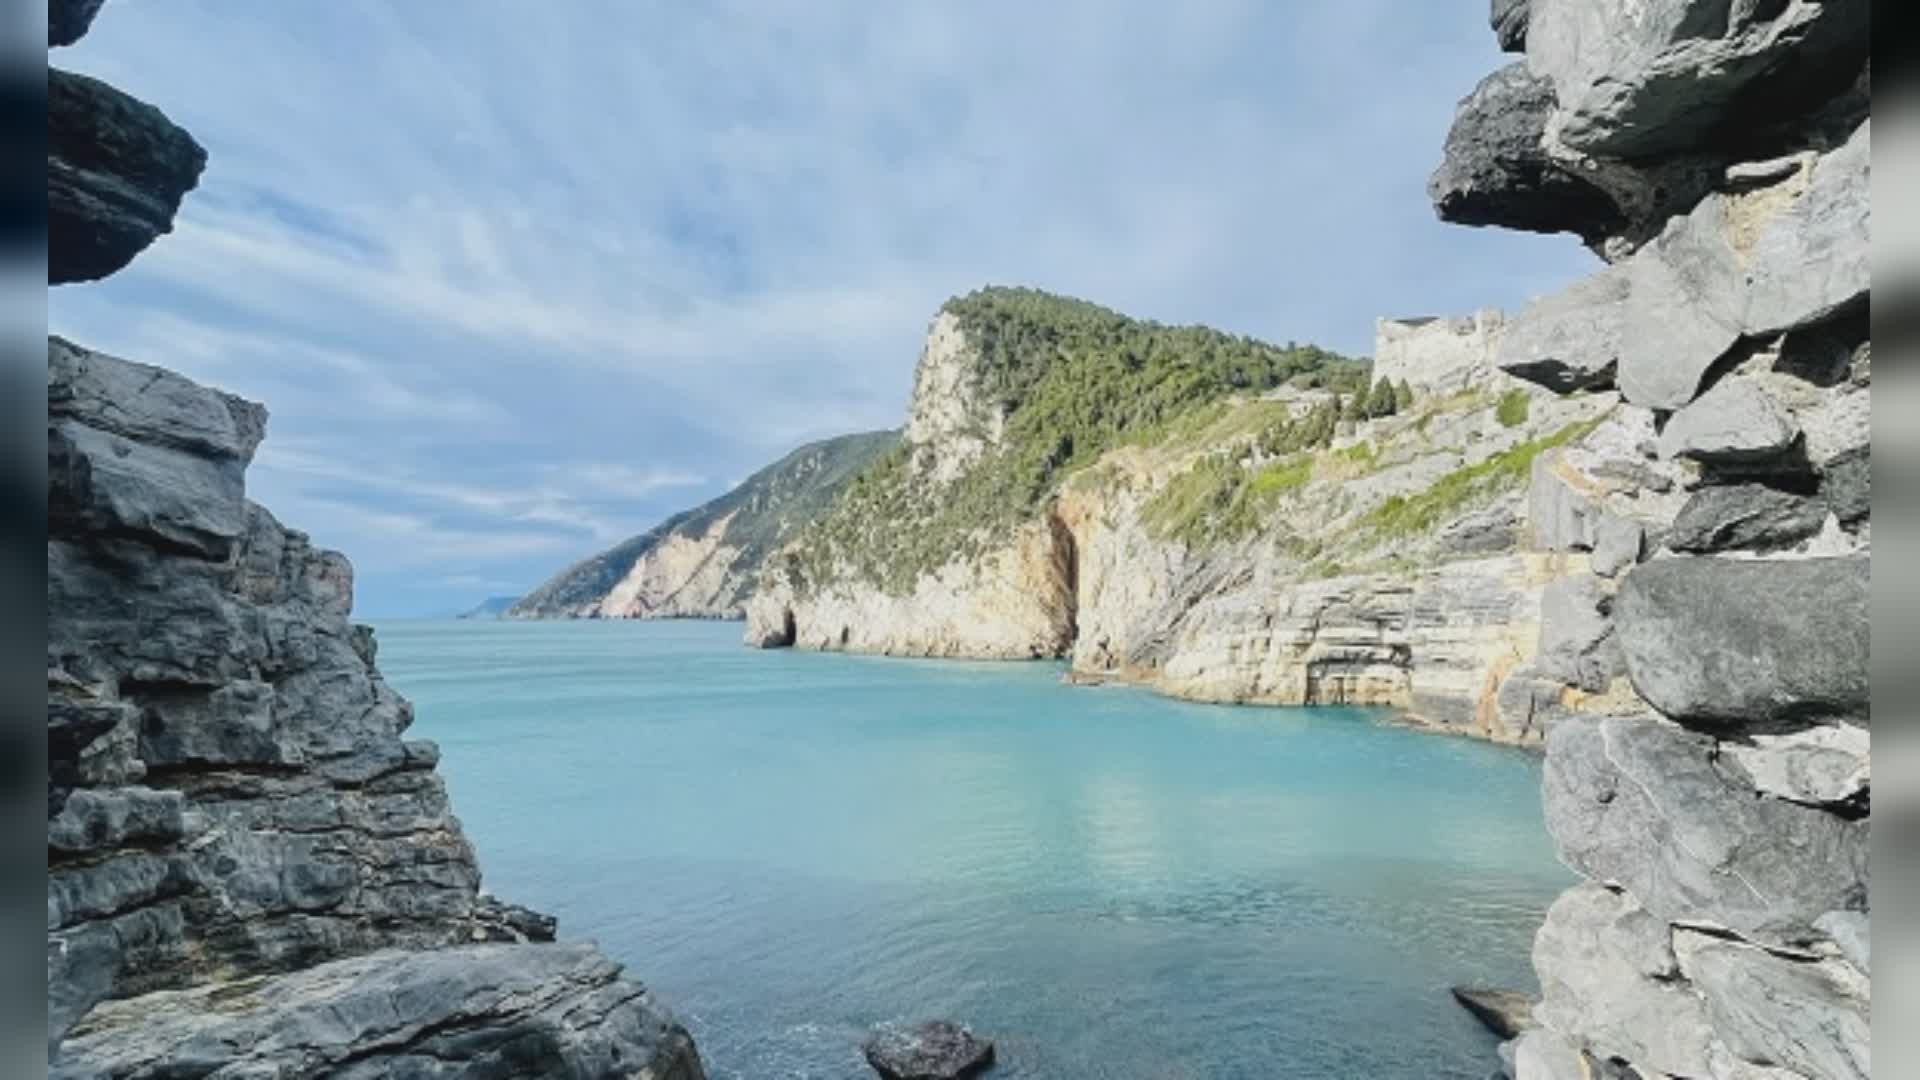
x: 517, y: 280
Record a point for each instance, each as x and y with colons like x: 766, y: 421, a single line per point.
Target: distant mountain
x: 492, y: 607
x: 701, y: 563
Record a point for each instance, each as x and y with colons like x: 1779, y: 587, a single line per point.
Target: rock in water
x: 116, y: 171
x: 935, y: 1050
x: 1506, y: 1013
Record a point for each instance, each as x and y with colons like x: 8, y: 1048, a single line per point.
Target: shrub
x: 1512, y: 409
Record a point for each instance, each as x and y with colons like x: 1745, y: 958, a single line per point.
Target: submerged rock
x: 934, y: 1050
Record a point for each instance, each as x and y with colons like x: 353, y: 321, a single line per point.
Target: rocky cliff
x: 701, y: 563
x: 250, y: 870
x: 1717, y: 157
x: 1282, y: 545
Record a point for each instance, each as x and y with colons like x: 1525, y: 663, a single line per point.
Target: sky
x: 518, y: 280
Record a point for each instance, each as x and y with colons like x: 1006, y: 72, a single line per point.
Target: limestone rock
x: 1506, y: 1013
x: 484, y: 1010
x: 1617, y: 545
x: 1811, y: 258
x: 1437, y: 355
x: 1637, y: 79
x: 1577, y: 645
x: 1735, y: 422
x: 116, y: 171
x: 1829, y: 765
x: 1847, y: 484
x: 1645, y: 803
x: 1495, y: 171
x: 934, y: 1050
x: 1608, y: 974
x: 69, y: 20
x: 1570, y: 340
x: 1683, y: 313
x: 1509, y: 21
x: 1539, y: 1054
x: 1745, y: 516
x: 1809, y: 1016
x: 1740, y: 643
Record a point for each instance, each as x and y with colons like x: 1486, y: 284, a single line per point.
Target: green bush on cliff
x: 1072, y: 379
x: 1218, y: 498
x: 1512, y: 409
x: 1405, y: 515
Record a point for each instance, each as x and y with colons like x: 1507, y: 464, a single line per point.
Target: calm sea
x: 790, y: 847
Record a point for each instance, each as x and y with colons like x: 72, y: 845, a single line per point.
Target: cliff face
x: 701, y: 563
x: 1723, y: 823
x: 250, y: 870
x: 1253, y: 548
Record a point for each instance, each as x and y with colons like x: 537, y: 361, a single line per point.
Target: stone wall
x: 1718, y: 159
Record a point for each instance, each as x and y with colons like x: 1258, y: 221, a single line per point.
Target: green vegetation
x: 1072, y: 379
x: 1512, y: 410
x: 1408, y: 515
x: 1218, y: 498
x: 1287, y: 434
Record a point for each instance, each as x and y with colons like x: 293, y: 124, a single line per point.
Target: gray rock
x: 1570, y: 340
x: 934, y: 1050
x: 1539, y: 1054
x: 496, y: 920
x: 1645, y: 803
x: 1847, y: 485
x: 1850, y: 932
x: 484, y: 1010
x: 107, y: 484
x: 1829, y: 765
x: 1495, y: 172
x: 1609, y: 977
x: 1528, y: 705
x: 1577, y: 645
x: 1809, y: 1016
x: 91, y: 819
x: 1509, y: 21
x: 149, y: 405
x: 1683, y: 313
x: 69, y: 20
x: 1735, y: 422
x: 1644, y: 78
x: 1745, y: 516
x: 1617, y: 545
x: 1506, y: 1013
x: 1811, y: 258
x: 1560, y: 517
x: 1731, y: 643
x: 116, y: 171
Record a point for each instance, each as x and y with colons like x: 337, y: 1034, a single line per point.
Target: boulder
x: 117, y: 169
x: 1645, y: 803
x: 1740, y: 643
x: 69, y: 20
x: 483, y: 1010
x: 1745, y: 516
x: 1639, y: 79
x: 1608, y: 975
x: 1847, y: 485
x: 934, y: 1050
x: 1495, y: 172
x: 1683, y: 313
x: 1509, y: 21
x: 1506, y: 1013
x: 1736, y: 422
x: 1830, y: 765
x: 1811, y: 257
x: 1576, y: 636
x: 1571, y: 340
x: 1617, y: 544
x: 1810, y: 1016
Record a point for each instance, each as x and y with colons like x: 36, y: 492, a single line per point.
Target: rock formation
x: 1226, y: 557
x: 1721, y: 821
x: 250, y: 871
x: 701, y: 563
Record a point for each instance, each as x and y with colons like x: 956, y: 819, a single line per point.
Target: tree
x: 1356, y: 406
x: 1402, y: 397
x: 1380, y: 402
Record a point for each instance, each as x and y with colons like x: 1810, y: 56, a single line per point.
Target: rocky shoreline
x: 250, y: 870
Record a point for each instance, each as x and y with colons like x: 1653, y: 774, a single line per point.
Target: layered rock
x: 250, y: 869
x: 1383, y: 566
x: 702, y: 563
x: 1723, y: 825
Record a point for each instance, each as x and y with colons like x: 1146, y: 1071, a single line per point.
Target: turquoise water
x: 790, y: 847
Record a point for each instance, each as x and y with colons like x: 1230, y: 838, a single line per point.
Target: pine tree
x: 1402, y: 397
x: 1380, y: 402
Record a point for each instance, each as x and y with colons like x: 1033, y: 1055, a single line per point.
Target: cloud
x: 539, y: 274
